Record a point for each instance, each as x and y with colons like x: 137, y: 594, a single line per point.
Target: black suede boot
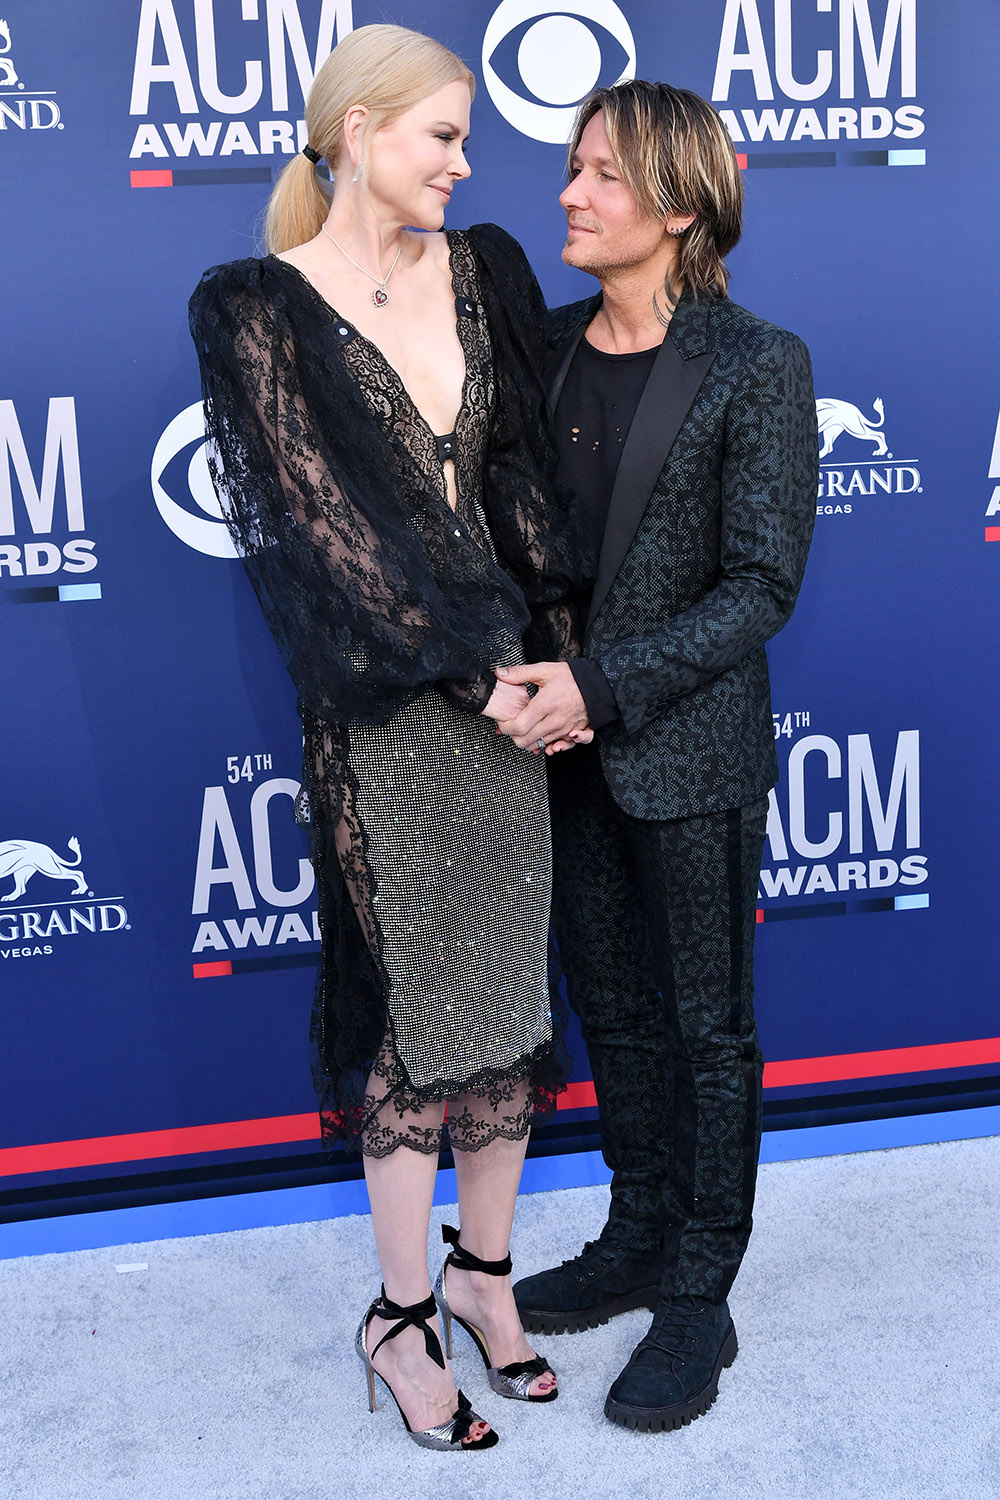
x: 604, y: 1279
x: 673, y: 1374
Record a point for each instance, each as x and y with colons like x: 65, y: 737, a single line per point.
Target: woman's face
x: 413, y: 164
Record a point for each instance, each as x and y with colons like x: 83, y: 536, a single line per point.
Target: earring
x: 356, y: 174
x: 675, y: 233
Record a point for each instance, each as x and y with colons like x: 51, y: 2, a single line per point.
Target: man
x: 687, y: 428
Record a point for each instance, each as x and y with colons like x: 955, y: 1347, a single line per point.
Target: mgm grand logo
x: 23, y: 109
x: 865, y: 464
x: 26, y: 928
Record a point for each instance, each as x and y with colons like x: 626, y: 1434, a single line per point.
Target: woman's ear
x: 355, y: 126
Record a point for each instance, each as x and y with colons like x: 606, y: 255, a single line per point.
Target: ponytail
x: 297, y: 207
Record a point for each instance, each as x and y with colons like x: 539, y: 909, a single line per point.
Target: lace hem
x: 359, y: 1115
x: 489, y: 1108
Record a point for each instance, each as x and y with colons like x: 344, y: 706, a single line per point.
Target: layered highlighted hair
x: 676, y: 156
x: 388, y: 69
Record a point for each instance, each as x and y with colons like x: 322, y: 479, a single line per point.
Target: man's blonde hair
x: 675, y: 155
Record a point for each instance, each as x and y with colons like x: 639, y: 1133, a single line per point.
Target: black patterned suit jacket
x: 704, y: 549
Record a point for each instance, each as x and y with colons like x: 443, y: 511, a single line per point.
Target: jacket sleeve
x: 769, y: 480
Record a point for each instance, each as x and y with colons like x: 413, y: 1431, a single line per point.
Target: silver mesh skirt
x: 455, y: 832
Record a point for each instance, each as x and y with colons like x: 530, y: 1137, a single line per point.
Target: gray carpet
x: 867, y: 1371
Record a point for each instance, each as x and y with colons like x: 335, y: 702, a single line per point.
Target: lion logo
x: 836, y: 417
x: 20, y: 859
x: 8, y: 74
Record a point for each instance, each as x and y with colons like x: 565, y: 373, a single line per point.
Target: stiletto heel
x: 514, y: 1380
x: 446, y: 1435
x: 445, y: 1312
x: 370, y: 1373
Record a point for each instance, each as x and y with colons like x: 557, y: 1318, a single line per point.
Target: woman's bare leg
x: 488, y: 1180
x: 400, y: 1190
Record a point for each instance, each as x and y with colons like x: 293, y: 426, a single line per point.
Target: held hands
x: 556, y: 714
x: 506, y: 701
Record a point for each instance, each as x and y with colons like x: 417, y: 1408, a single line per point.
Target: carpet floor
x: 224, y: 1370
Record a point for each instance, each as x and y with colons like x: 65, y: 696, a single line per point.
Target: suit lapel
x: 560, y: 359
x: 668, y: 396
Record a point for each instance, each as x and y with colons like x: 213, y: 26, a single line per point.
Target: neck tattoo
x: 671, y: 299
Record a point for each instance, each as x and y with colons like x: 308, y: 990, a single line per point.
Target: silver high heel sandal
x: 445, y: 1435
x: 515, y: 1380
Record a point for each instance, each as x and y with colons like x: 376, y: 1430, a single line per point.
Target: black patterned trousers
x: 655, y: 925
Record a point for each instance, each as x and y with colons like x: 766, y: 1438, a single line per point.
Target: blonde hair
x: 388, y: 69
x: 676, y: 156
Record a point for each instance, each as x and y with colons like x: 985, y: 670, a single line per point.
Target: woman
x: 377, y: 425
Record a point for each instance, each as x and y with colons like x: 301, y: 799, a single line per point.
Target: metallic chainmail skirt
x: 455, y: 831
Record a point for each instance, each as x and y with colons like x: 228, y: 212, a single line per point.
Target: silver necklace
x: 379, y: 296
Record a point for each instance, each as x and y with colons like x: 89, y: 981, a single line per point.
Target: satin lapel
x: 558, y: 366
x: 665, y: 402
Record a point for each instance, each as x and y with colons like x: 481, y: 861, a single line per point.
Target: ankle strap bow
x: 415, y: 1316
x: 464, y: 1260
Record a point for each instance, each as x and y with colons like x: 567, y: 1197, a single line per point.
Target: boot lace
x: 674, y: 1331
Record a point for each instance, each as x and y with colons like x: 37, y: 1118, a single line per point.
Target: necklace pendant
x: 380, y: 296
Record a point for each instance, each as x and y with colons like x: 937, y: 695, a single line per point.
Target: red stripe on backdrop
x: 779, y: 1075
x: 151, y: 179
x: 147, y: 1145
x: 993, y: 533
x: 577, y: 1096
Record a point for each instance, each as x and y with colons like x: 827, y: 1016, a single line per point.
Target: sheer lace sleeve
x: 532, y: 519
x: 368, y: 609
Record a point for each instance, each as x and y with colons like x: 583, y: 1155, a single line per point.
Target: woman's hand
x: 577, y: 737
x: 557, y: 713
x: 506, y: 701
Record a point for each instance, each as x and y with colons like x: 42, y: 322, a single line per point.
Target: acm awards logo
x: 862, y: 464
x: 22, y: 108
x: 836, y: 70
x: 993, y: 508
x: 249, y: 61
x: 41, y: 495
x: 540, y: 61
x: 253, y: 887
x: 844, y: 819
x: 27, y: 929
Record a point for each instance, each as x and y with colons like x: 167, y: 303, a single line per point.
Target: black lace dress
x: 430, y: 832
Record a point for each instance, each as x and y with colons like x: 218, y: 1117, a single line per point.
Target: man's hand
x: 557, y: 712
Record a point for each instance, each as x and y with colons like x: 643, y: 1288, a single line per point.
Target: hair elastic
x: 312, y: 155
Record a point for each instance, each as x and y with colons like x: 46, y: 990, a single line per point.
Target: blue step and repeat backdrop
x: 157, y: 912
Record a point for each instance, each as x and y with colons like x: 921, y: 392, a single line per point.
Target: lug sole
x: 537, y: 1320
x: 670, y: 1418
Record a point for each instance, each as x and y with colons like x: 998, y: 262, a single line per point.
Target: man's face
x: 606, y: 229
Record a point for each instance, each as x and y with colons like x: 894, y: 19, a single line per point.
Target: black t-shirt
x: 592, y: 420
x: 593, y: 417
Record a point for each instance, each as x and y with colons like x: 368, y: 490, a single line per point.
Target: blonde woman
x: 376, y: 420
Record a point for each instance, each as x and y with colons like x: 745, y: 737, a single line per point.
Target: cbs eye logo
x: 181, y: 458
x: 553, y: 58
